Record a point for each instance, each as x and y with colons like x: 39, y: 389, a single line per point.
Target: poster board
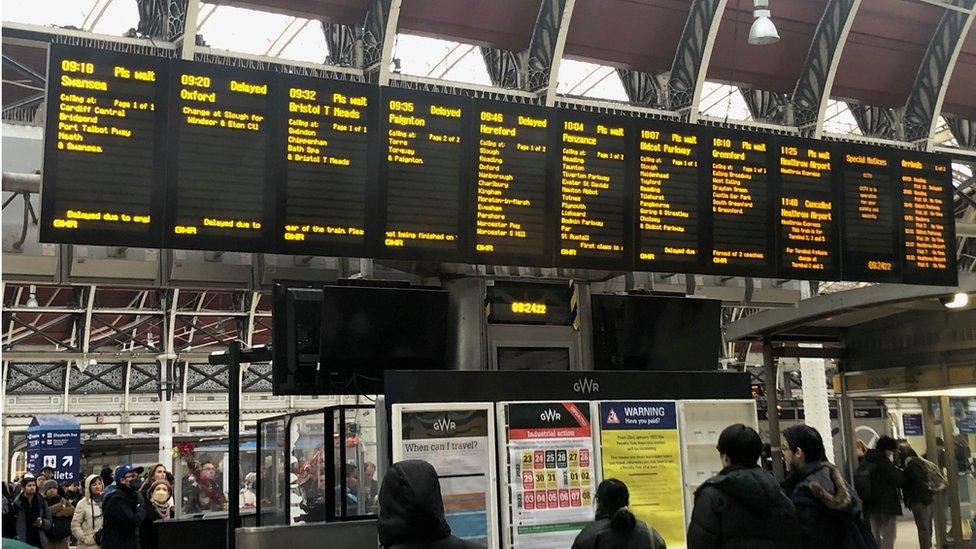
x: 459, y: 441
x: 548, y: 471
x: 640, y: 446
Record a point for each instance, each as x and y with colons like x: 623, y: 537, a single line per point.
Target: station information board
x: 151, y: 152
x: 510, y: 202
x: 327, y: 127
x: 106, y: 116
x: 423, y: 171
x: 593, y: 190
x: 219, y: 185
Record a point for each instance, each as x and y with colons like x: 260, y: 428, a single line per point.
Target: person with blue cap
x: 123, y: 510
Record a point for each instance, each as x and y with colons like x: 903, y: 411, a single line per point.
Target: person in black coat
x: 742, y: 506
x: 412, y: 510
x: 917, y: 495
x: 123, y: 510
x: 884, y: 506
x: 825, y: 505
x: 615, y: 526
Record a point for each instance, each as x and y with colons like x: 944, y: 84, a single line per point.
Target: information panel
x: 669, y: 220
x: 807, y: 234
x: 739, y: 178
x: 219, y: 192
x: 423, y: 172
x: 104, y: 147
x: 327, y: 126
x: 872, y: 242
x: 929, y: 224
x: 510, y: 198
x: 594, y: 194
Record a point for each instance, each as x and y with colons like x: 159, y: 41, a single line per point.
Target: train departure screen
x: 422, y: 141
x: 326, y: 126
x: 871, y: 239
x: 740, y: 174
x: 103, y: 149
x: 807, y: 238
x: 221, y: 141
x: 509, y: 198
x: 668, y: 198
x: 928, y: 219
x: 593, y: 190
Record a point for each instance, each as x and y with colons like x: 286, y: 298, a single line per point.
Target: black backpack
x: 863, y: 481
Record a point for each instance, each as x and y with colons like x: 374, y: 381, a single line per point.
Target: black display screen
x: 220, y: 185
x: 740, y: 179
x: 872, y: 210
x: 510, y: 199
x: 423, y: 144
x: 929, y: 224
x: 103, y: 148
x: 328, y: 126
x: 670, y: 224
x: 594, y: 195
x: 807, y: 229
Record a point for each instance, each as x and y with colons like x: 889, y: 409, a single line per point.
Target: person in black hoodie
x: 742, y: 506
x: 123, y: 510
x: 412, y: 511
x: 883, y: 506
x: 825, y: 506
x: 918, y: 496
x: 616, y: 527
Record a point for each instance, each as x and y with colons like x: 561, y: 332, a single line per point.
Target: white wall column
x: 816, y: 407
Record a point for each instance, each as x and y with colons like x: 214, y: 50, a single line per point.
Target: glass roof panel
x: 119, y: 16
x: 308, y: 45
x: 583, y: 79
x: 61, y: 13
x: 242, y: 30
x: 440, y: 59
x: 839, y: 119
x: 723, y: 101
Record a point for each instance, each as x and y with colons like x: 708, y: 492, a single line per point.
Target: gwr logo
x: 444, y: 424
x: 586, y: 386
x: 550, y: 415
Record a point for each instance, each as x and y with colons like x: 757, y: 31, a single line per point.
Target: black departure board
x: 741, y: 167
x: 104, y: 148
x: 808, y: 230
x: 594, y: 194
x: 423, y: 168
x: 509, y: 197
x: 872, y: 243
x: 929, y: 224
x: 669, y: 196
x: 324, y: 196
x: 221, y: 189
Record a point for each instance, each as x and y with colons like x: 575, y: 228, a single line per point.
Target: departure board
x: 104, y: 148
x: 741, y: 165
x: 593, y: 191
x: 807, y: 237
x: 510, y: 200
x: 221, y: 196
x: 669, y: 221
x: 929, y: 224
x: 324, y: 197
x: 872, y: 242
x: 423, y: 172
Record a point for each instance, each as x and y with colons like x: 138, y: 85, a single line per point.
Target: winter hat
x: 161, y: 483
x: 48, y: 484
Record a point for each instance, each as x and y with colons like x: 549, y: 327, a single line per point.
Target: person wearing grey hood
x: 86, y: 524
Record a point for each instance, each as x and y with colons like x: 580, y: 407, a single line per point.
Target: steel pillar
x: 772, y: 408
x: 952, y: 472
x: 939, y: 505
x: 693, y: 55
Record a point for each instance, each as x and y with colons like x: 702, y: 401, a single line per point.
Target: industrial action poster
x: 640, y: 447
x: 456, y: 443
x: 550, y: 453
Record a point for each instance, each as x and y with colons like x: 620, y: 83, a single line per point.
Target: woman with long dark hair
x: 616, y: 527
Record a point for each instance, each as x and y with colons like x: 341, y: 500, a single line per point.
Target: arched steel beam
x: 812, y: 91
x: 693, y: 55
x: 379, y: 32
x: 546, y: 48
x: 642, y: 88
x: 924, y: 104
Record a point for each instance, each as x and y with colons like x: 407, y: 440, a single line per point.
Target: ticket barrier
x: 353, y: 533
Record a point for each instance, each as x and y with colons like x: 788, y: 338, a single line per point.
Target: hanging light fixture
x: 763, y: 31
x: 957, y: 301
x: 32, y: 297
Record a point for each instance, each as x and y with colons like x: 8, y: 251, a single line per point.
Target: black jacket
x: 122, y: 511
x: 601, y: 535
x: 412, y: 511
x: 742, y: 507
x: 824, y: 505
x: 916, y: 488
x: 886, y: 479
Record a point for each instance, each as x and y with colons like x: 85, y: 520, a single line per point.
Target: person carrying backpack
x: 922, y: 480
x: 61, y: 513
x: 877, y: 481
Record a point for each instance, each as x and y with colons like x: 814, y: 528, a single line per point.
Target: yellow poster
x: 640, y: 447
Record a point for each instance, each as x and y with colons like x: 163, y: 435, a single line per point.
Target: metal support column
x: 952, y: 472
x: 813, y: 373
x: 848, y: 436
x: 466, y: 310
x: 233, y: 441
x: 772, y: 408
x: 932, y: 454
